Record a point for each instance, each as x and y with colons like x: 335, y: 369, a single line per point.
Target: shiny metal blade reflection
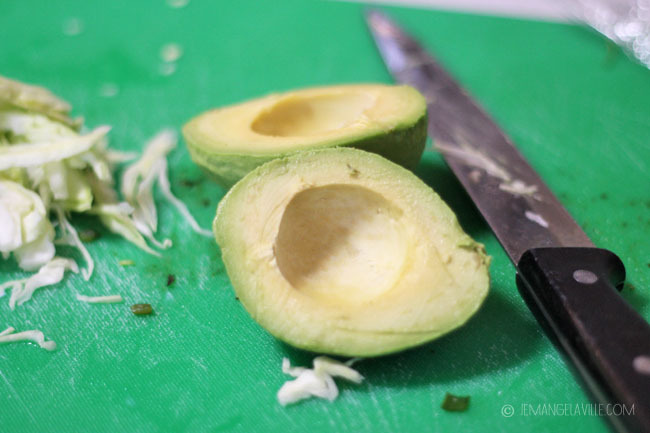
x: 513, y: 199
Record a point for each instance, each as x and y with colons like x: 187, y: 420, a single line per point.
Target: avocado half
x: 341, y: 251
x: 230, y: 142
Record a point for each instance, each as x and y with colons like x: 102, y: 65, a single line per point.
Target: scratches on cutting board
x: 357, y: 408
x: 229, y: 423
x: 384, y: 421
x: 199, y: 363
x: 198, y: 323
x: 617, y: 123
x: 18, y: 398
x: 107, y: 348
x: 634, y: 159
x: 391, y: 405
x: 78, y: 355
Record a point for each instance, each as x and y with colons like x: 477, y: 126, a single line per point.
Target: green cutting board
x: 577, y: 107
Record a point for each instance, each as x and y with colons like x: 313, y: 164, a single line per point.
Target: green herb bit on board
x: 88, y: 235
x: 454, y: 403
x: 141, y: 309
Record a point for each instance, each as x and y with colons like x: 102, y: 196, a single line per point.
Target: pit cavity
x: 312, y: 115
x: 346, y: 242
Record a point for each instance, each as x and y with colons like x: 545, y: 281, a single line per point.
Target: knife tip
x: 372, y: 14
x: 377, y: 20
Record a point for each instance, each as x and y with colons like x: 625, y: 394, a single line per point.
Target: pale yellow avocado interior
x: 342, y: 241
x: 340, y: 251
x: 306, y: 118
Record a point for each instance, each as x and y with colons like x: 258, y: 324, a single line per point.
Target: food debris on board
x: 316, y: 382
x: 455, y: 403
x: 109, y: 299
x: 88, y: 235
x: 141, y: 309
x: 177, y: 4
x: 73, y: 26
x: 8, y: 336
x: 109, y: 90
x: 169, y: 54
x: 50, y: 273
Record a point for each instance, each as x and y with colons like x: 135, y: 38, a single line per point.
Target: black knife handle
x: 575, y: 291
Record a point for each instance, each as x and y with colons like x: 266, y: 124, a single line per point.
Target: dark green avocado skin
x: 403, y: 146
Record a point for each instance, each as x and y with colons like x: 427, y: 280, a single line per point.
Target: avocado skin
x: 403, y: 145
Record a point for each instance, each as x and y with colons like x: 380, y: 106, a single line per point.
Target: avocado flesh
x: 340, y: 251
x: 230, y: 142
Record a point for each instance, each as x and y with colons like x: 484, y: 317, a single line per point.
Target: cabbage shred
x: 10, y: 336
x: 317, y: 381
x: 50, y: 168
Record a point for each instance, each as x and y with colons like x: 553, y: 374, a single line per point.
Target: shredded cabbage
x: 163, y: 181
x: 35, y: 99
x: 32, y: 154
x: 117, y: 218
x: 110, y: 299
x: 138, y: 181
x: 49, y: 170
x: 323, y: 364
x: 316, y: 382
x: 50, y: 273
x: 26, y: 230
x: 9, y: 330
x: 8, y: 336
x: 69, y: 236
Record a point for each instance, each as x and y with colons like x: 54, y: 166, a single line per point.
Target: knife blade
x: 568, y: 283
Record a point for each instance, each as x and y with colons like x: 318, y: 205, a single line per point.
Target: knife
x: 568, y: 283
